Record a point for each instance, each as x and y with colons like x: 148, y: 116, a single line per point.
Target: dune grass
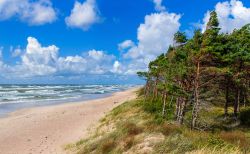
x: 131, y: 128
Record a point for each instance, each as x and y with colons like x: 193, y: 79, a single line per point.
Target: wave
x: 42, y: 93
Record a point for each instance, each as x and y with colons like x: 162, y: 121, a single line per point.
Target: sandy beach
x: 47, y: 130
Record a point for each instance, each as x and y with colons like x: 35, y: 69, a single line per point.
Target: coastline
x: 47, y: 129
x: 18, y: 97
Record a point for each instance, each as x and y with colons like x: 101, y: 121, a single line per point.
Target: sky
x: 99, y: 41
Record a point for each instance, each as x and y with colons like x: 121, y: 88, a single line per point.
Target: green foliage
x: 209, y: 68
x: 213, y: 21
x: 245, y: 117
x: 180, y: 38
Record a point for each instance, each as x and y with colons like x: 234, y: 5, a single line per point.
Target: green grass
x: 134, y: 128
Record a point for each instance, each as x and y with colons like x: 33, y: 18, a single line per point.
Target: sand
x: 47, y: 130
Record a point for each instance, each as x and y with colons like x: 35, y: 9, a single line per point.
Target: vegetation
x: 195, y: 100
x: 132, y: 128
x: 210, y: 68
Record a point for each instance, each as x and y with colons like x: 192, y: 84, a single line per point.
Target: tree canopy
x: 210, y: 67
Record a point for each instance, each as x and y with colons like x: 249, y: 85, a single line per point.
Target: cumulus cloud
x: 72, y: 64
x: 37, y: 12
x: 37, y: 60
x: 97, y: 55
x: 125, y: 45
x: 117, y: 67
x: 158, y: 5
x: 83, y: 15
x: 231, y: 14
x: 154, y: 36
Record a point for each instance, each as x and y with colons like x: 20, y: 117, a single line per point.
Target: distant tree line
x: 210, y: 66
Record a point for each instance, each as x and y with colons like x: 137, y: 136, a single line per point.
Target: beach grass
x: 130, y: 128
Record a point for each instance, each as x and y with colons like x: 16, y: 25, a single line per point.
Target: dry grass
x: 132, y: 129
x: 236, y: 138
x: 168, y: 129
x: 215, y: 150
x: 129, y: 142
x: 108, y: 145
x: 129, y: 129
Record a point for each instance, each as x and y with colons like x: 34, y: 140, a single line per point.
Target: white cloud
x: 154, y: 36
x: 125, y: 45
x: 117, y: 67
x: 37, y: 60
x: 231, y: 14
x: 158, y: 5
x: 33, y: 12
x: 136, y: 65
x: 72, y: 64
x: 97, y: 55
x: 15, y: 52
x: 83, y: 15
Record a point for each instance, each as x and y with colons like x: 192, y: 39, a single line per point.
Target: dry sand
x: 47, y: 130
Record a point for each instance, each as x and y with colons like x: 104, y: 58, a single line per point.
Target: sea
x: 15, y: 97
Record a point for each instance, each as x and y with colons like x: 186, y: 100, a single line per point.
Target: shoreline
x: 52, y: 104
x: 8, y: 108
x: 47, y: 129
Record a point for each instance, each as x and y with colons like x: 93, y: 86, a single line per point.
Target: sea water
x: 14, y: 97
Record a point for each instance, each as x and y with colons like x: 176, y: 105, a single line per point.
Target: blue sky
x: 98, y: 41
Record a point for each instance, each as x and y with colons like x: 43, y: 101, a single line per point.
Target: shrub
x: 244, y: 117
x: 152, y: 107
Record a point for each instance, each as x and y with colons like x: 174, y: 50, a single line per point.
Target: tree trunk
x: 164, y: 104
x: 155, y: 89
x: 177, y: 108
x: 236, y: 103
x: 196, y: 95
x: 242, y: 97
x: 182, y: 111
x: 227, y: 99
x: 145, y: 91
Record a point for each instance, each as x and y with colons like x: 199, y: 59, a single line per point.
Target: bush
x: 244, y: 117
x: 152, y: 107
x: 155, y: 108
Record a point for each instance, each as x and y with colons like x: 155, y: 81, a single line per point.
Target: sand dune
x: 47, y: 129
